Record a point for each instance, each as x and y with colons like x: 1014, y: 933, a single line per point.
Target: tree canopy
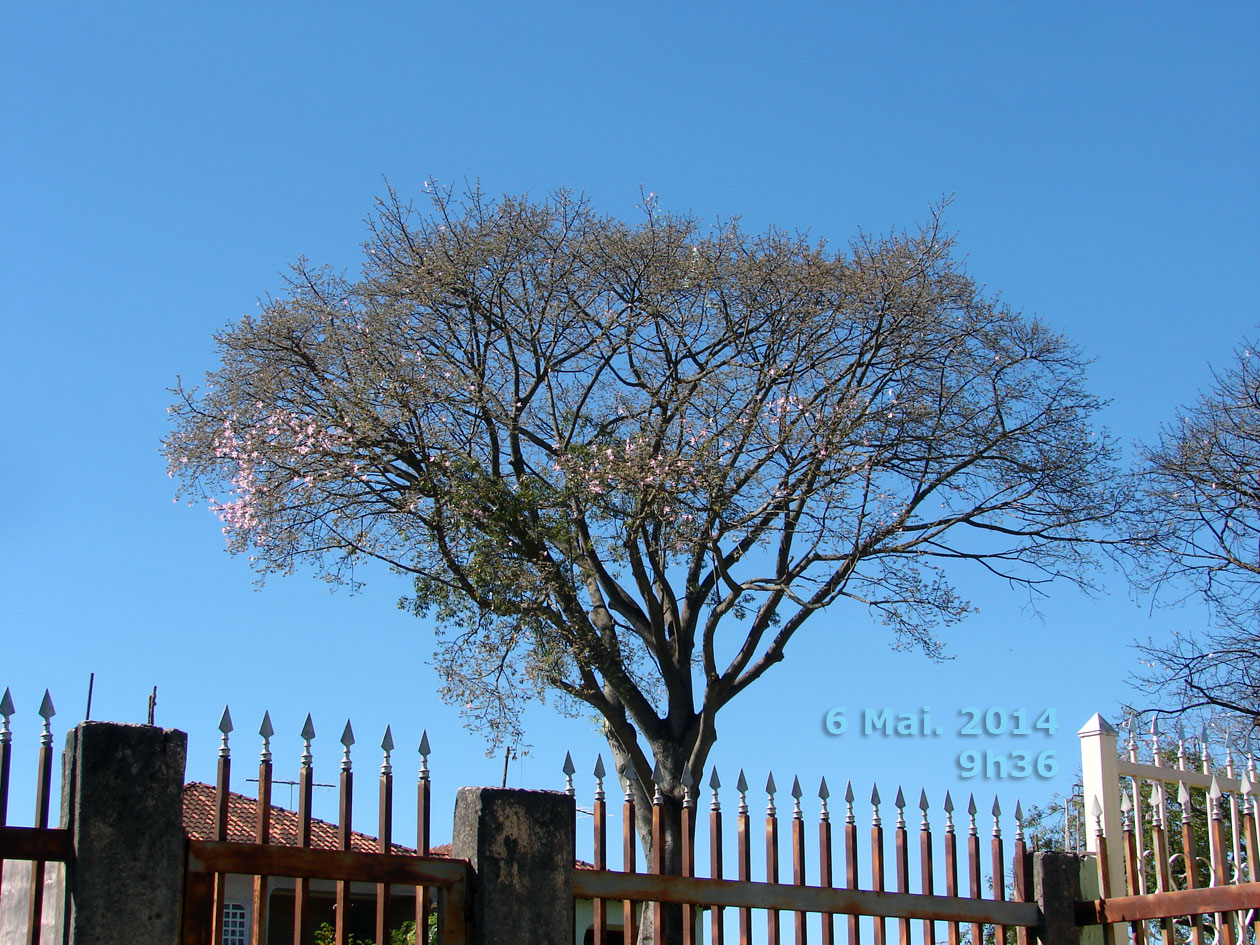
x: 1199, y: 526
x: 626, y: 463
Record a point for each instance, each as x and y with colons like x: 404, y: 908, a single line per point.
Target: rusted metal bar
x: 1220, y: 876
x: 51, y: 844
x: 824, y: 861
x: 717, y: 933
x: 43, y: 793
x: 1159, y: 847
x: 262, y: 830
x: 1132, y: 867
x: 302, y: 890
x: 798, y: 857
x: 877, y: 861
x: 851, y: 859
x: 999, y: 872
x: 1190, y: 855
x: 786, y: 897
x: 6, y: 752
x: 973, y: 864
x: 901, y: 855
x: 222, y: 793
x: 658, y: 854
x: 772, y: 859
x: 629, y: 850
x: 1250, y: 817
x: 345, y: 813
x: 743, y: 858
x: 336, y: 865
x: 951, y: 866
x: 422, y: 834
x: 600, y: 814
x: 926, y: 865
x: 1021, y: 880
x: 1183, y: 902
x: 385, y: 835
x: 1104, y: 867
x: 198, y: 905
x: 688, y: 855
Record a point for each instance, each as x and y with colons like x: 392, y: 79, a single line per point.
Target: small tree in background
x: 627, y: 464
x: 1199, y: 524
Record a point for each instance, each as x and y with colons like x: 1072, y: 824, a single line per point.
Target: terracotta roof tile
x: 243, y: 814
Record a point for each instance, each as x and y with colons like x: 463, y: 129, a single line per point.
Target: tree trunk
x: 643, y: 791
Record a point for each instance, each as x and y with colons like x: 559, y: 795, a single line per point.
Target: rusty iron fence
x: 442, y: 882
x: 39, y: 844
x: 886, y: 897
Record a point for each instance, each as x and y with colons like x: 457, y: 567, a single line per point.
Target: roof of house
x: 199, y: 807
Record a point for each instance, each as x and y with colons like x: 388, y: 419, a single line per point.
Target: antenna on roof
x: 87, y: 713
x: 152, y: 703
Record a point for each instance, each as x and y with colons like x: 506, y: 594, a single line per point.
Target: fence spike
x: 997, y: 812
x: 1096, y: 812
x: 266, y: 729
x: 900, y: 803
x: 1214, y: 799
x: 599, y: 771
x: 875, y: 821
x: 797, y: 814
x: 1157, y: 804
x: 6, y: 712
x: 823, y: 794
x: 971, y: 814
x: 1183, y: 796
x: 347, y: 739
x: 1181, y: 745
x: 628, y: 772
x: 741, y: 785
x: 770, y: 789
x: 714, y: 784
x: 688, y: 783
x: 658, y: 779
x: 923, y: 806
x: 1126, y: 809
x: 425, y: 751
x: 387, y: 745
x: 1019, y: 821
x: 308, y: 734
x: 46, y: 709
x: 949, y: 813
x: 226, y: 727
x: 568, y: 768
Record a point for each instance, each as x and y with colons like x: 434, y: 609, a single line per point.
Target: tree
x: 626, y: 464
x: 1198, y: 522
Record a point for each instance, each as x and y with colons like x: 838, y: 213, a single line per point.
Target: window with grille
x: 234, y: 924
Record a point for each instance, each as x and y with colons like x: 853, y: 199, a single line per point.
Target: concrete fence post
x: 522, y: 847
x: 122, y: 798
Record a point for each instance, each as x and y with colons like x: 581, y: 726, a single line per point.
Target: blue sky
x: 162, y: 164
